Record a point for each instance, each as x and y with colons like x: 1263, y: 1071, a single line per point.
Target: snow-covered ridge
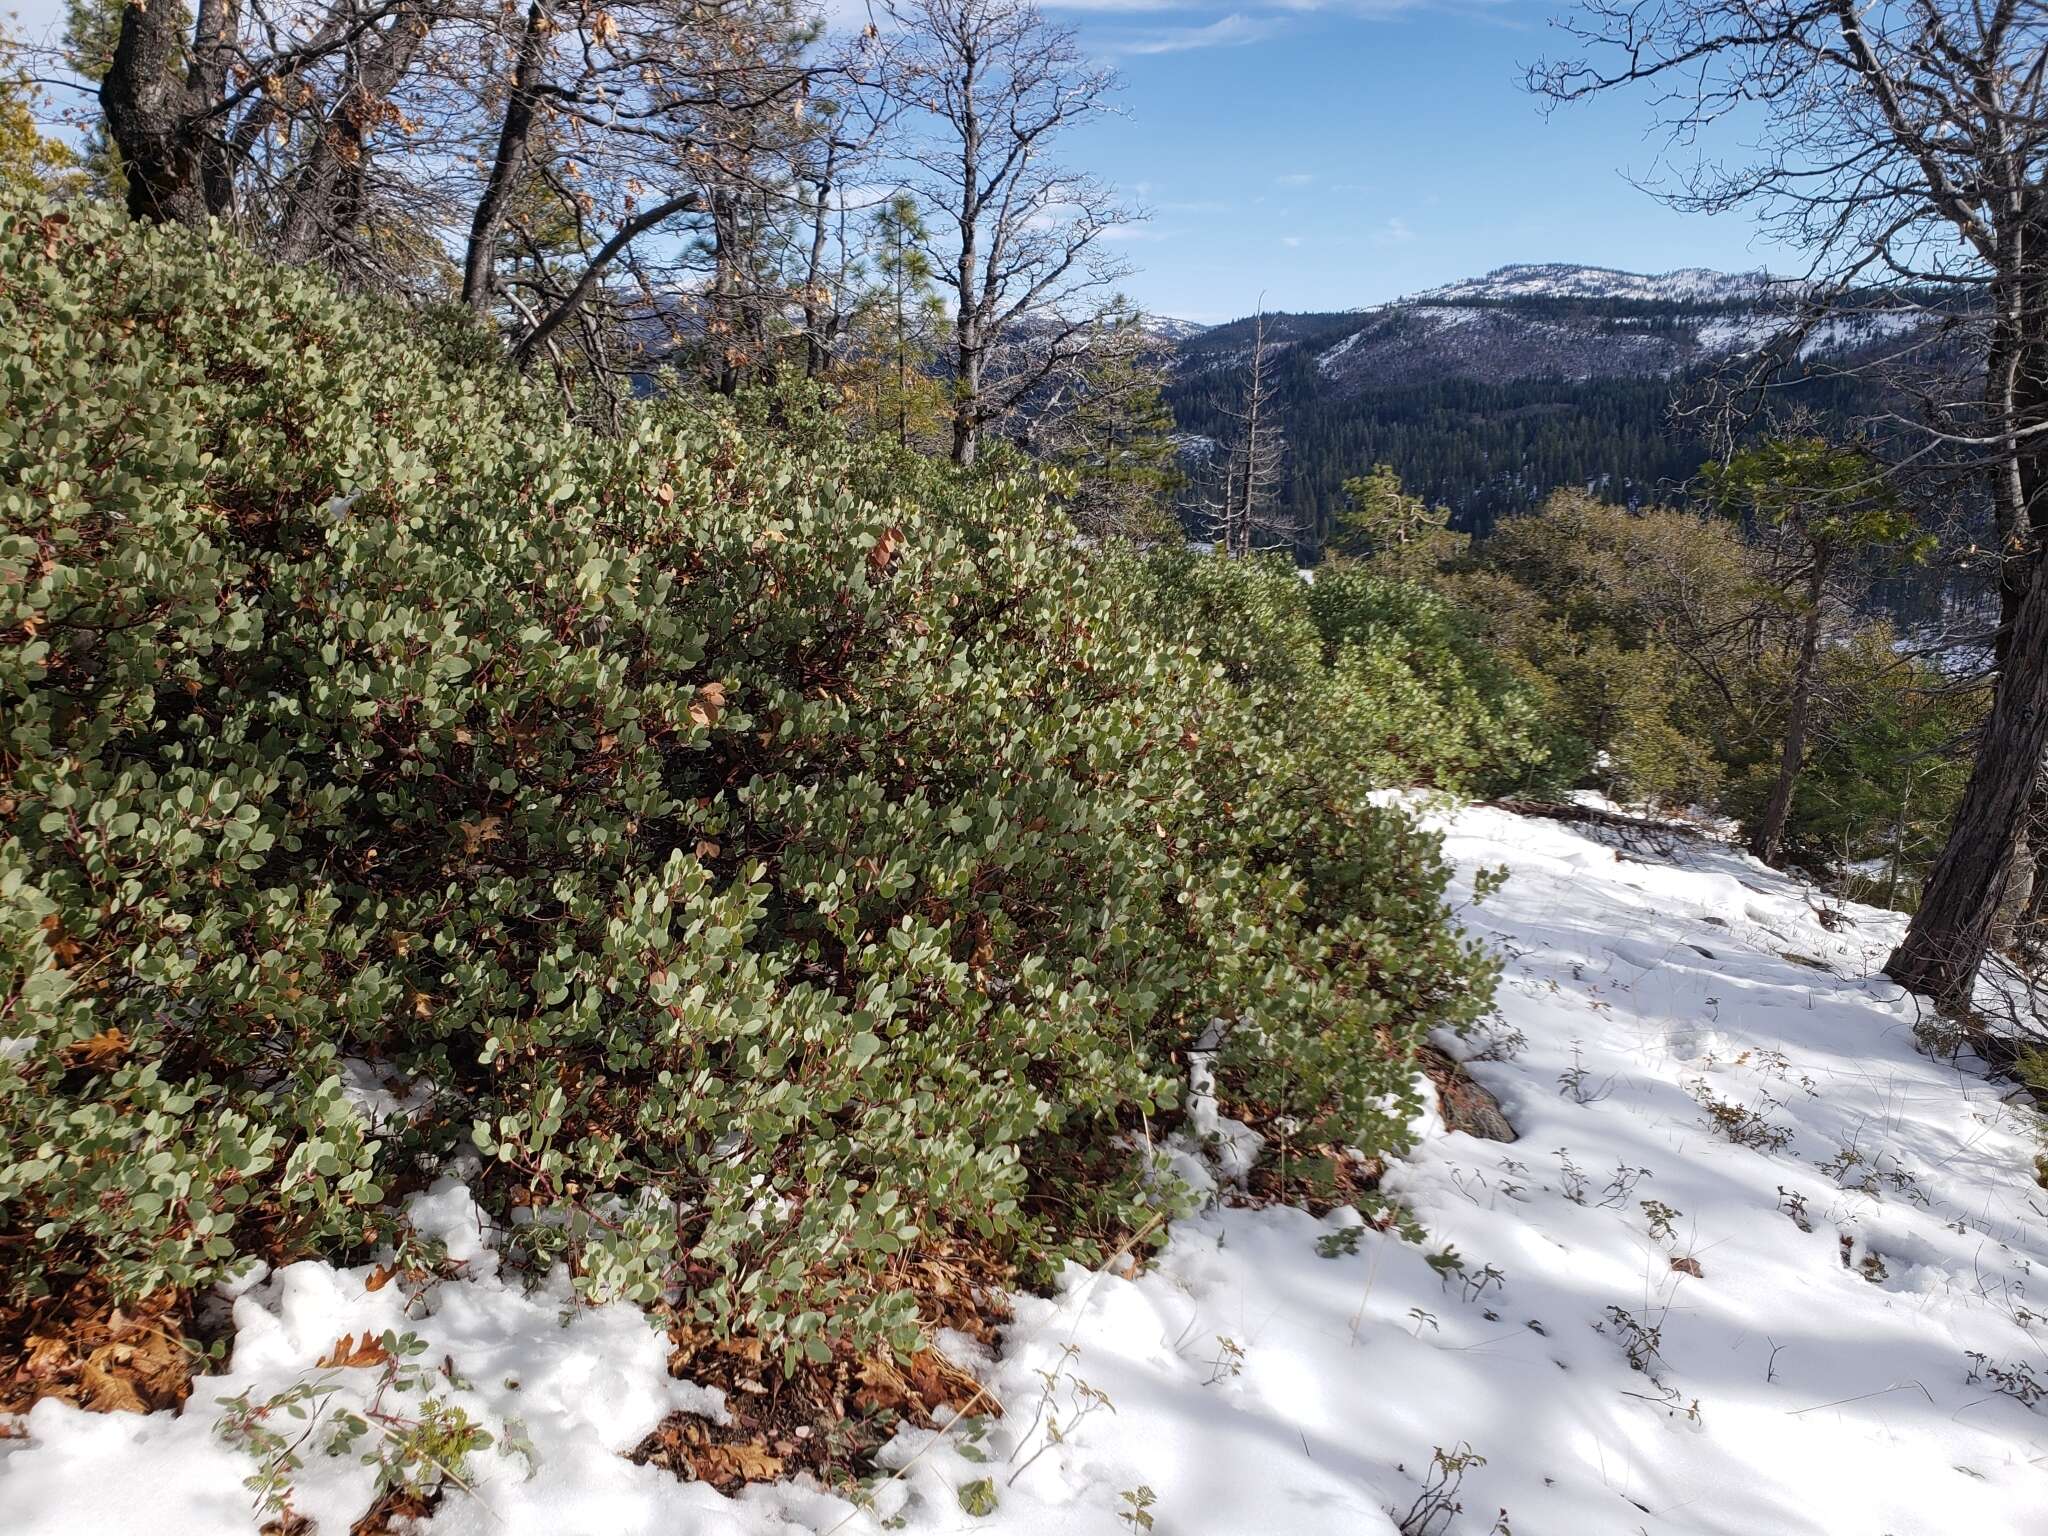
x: 1566, y: 280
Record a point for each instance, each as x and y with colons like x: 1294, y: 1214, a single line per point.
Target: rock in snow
x: 1756, y: 1266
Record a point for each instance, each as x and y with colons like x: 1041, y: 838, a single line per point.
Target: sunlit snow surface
x: 1830, y: 1368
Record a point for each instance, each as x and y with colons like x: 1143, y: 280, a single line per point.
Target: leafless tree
x: 1243, y: 512
x: 993, y: 85
x: 189, y: 104
x: 1903, y: 146
x: 606, y: 126
x: 559, y: 162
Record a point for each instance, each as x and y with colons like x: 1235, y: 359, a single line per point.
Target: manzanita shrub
x: 1367, y: 675
x: 761, y: 855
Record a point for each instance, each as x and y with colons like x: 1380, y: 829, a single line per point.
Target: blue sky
x: 1344, y: 153
x: 1333, y: 153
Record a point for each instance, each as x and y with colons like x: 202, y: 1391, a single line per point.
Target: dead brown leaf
x: 108, y: 1393
x: 708, y: 705
x: 939, y: 1381
x: 885, y: 550
x: 882, y: 1387
x: 100, y: 1050
x: 476, y: 833
x: 744, y: 1462
x: 348, y: 1353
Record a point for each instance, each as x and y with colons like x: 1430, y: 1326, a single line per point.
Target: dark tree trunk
x: 148, y: 111
x: 1958, y: 920
x: 206, y: 86
x: 1769, y: 836
x: 821, y: 318
x: 510, y: 163
x: 326, y: 202
x: 965, y: 435
x: 1952, y: 931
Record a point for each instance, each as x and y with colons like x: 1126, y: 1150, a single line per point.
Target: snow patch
x: 1753, y: 1266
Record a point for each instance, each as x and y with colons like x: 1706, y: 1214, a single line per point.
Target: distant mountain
x: 1562, y: 280
x: 1489, y: 393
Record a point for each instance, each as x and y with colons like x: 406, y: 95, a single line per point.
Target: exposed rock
x: 1464, y: 1104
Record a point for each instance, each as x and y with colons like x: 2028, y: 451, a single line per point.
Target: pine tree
x: 1114, y: 438
x: 888, y: 371
x: 1823, y: 503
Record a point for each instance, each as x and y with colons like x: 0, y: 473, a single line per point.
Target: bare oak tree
x: 994, y: 85
x: 1903, y: 145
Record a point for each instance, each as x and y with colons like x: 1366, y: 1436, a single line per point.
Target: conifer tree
x: 1824, y: 504
x: 1113, y: 435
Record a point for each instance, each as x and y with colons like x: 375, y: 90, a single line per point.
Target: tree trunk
x: 964, y: 440
x: 1769, y: 837
x: 326, y: 201
x: 819, y: 331
x: 479, y: 258
x: 1950, y: 934
x: 206, y: 85
x: 1958, y: 918
x: 148, y: 115
x: 967, y: 322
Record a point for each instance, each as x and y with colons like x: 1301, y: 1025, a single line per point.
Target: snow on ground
x: 1754, y: 1266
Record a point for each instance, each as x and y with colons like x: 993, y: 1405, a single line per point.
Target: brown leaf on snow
x: 153, y: 1365
x: 1689, y: 1266
x: 938, y: 1380
x: 348, y: 1353
x: 379, y: 1278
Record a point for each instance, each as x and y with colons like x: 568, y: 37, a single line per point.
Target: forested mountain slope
x: 1488, y: 394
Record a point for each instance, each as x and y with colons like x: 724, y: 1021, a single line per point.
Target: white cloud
x: 1232, y: 31
x: 1394, y: 232
x: 1296, y: 178
x: 1290, y: 241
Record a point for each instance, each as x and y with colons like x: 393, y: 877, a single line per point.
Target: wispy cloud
x: 1296, y: 178
x: 1394, y: 232
x: 1232, y: 31
x: 1291, y: 241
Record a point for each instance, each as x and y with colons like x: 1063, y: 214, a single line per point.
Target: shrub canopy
x: 767, y: 855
